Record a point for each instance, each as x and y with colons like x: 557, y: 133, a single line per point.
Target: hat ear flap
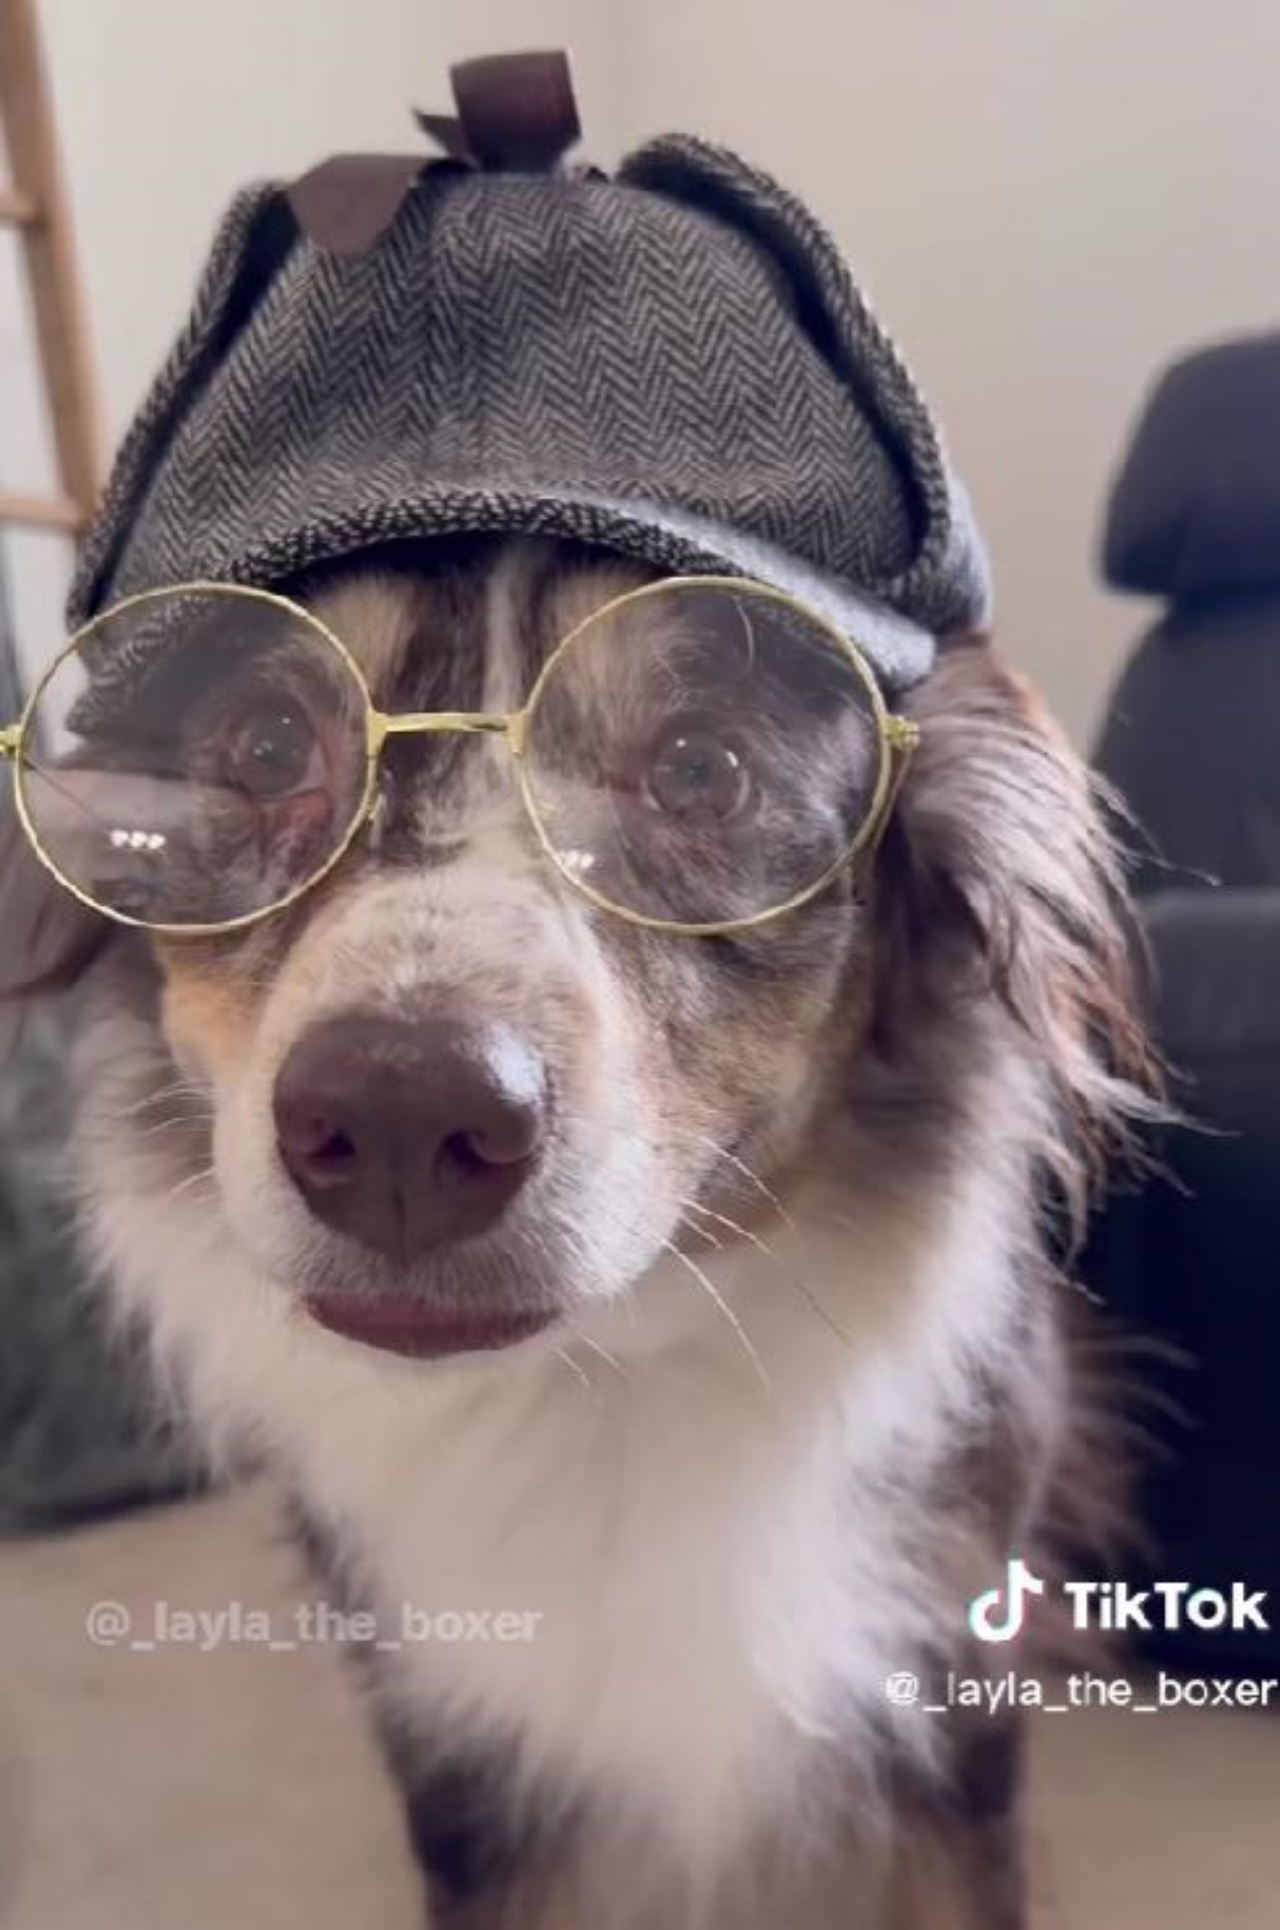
x: 945, y: 584
x: 256, y: 235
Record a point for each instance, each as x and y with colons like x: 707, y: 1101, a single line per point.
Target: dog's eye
x: 269, y: 750
x: 698, y: 775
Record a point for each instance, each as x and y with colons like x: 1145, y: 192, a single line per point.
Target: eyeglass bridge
x: 474, y: 723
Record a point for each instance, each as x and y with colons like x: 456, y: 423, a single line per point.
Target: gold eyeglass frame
x: 898, y: 739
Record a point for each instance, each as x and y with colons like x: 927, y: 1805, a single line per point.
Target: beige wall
x: 169, y: 105
x: 1045, y: 197
x: 166, y: 106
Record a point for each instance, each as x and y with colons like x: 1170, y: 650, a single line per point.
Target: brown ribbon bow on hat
x: 514, y: 112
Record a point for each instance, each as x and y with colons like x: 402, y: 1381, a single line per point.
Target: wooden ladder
x: 35, y: 204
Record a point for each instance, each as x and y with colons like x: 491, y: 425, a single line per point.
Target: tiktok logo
x: 985, y: 1617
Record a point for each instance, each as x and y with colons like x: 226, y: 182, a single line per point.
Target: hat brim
x: 898, y: 650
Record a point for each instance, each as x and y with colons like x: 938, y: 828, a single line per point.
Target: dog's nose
x: 404, y: 1136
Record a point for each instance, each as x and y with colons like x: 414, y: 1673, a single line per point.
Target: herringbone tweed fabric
x: 675, y: 363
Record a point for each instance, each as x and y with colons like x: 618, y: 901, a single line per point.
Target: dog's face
x: 443, y: 1102
x: 451, y: 1100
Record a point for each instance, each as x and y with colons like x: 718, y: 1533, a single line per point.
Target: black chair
x: 1192, y: 745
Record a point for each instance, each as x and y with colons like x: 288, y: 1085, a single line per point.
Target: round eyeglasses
x: 701, y: 755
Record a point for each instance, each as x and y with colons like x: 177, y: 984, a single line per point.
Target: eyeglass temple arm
x: 904, y: 740
x: 10, y: 739
x: 902, y: 737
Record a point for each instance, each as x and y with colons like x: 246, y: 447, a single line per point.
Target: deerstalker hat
x: 672, y: 361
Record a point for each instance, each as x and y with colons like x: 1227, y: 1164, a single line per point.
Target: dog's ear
x: 998, y: 878
x: 47, y: 938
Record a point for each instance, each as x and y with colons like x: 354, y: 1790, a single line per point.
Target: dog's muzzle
x: 405, y: 1138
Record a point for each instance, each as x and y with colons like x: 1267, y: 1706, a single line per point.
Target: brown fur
x: 207, y: 1012
x: 1002, y: 845
x: 990, y: 929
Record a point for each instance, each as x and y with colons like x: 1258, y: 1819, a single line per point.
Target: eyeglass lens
x: 200, y: 756
x: 703, y: 755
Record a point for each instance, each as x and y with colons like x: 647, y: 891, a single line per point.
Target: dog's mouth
x: 398, y: 1325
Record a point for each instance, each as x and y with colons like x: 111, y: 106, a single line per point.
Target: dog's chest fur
x: 722, y: 1573
x: 726, y: 1555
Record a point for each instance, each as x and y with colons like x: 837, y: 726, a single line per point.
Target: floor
x: 151, y: 1789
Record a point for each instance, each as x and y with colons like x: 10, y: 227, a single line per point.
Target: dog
x: 759, y: 1365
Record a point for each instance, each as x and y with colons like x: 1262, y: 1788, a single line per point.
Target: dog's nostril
x: 311, y: 1139
x: 512, y: 1134
x: 331, y: 1154
x: 460, y: 1150
x: 407, y: 1136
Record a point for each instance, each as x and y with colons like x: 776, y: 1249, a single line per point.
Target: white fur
x: 721, y: 1585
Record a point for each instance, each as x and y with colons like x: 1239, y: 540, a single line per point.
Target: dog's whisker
x: 178, y: 1089
x: 790, y: 1279
x: 730, y: 1225
x: 579, y: 1373
x: 722, y: 1306
x: 205, y: 1174
x: 688, y: 1205
x: 703, y: 1232
x: 593, y: 1346
x: 752, y: 1178
x: 175, y: 1121
x: 677, y: 1136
